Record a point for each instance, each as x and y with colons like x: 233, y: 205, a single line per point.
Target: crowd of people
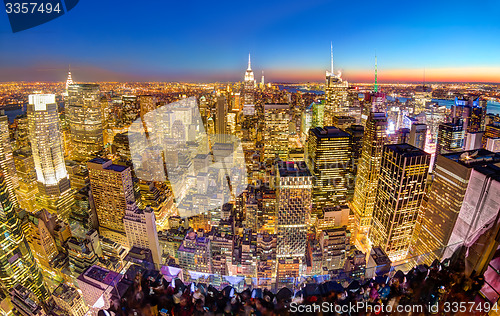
x: 423, y: 286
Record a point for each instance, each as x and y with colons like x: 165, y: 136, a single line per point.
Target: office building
x: 18, y: 264
x: 491, y: 131
x: 140, y: 228
x: 25, y: 170
x: 83, y: 114
x: 147, y: 103
x: 473, y: 140
x: 112, y: 189
x: 276, y: 130
x: 441, y: 207
x: 335, y: 246
x: 367, y: 177
x: 493, y: 144
x: 54, y: 191
x: 24, y: 302
x: 70, y: 300
x: 7, y: 164
x: 96, y: 283
x: 451, y: 138
x: 336, y: 95
x: 294, y: 193
x: 400, y: 190
x: 328, y: 159
x: 418, y: 134
x: 195, y: 253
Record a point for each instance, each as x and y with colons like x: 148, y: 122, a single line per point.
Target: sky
x: 201, y: 41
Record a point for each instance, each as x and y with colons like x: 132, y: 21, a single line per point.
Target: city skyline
x: 254, y: 158
x: 161, y: 47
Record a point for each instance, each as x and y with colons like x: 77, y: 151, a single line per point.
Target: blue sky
x: 289, y: 40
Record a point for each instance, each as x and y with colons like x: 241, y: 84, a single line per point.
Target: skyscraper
x: 450, y: 137
x: 112, y: 189
x: 276, y: 130
x: 18, y: 264
x: 336, y: 95
x: 328, y: 158
x: 294, y: 185
x: 491, y: 131
x: 221, y: 112
x: 418, y: 133
x: 400, y: 190
x: 7, y: 164
x: 365, y: 189
x: 69, y: 82
x: 140, y: 228
x: 440, y: 209
x: 248, y: 90
x: 54, y: 192
x: 84, y: 115
x: 147, y: 103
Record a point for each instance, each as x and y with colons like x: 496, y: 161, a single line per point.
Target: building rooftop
x: 328, y: 132
x: 276, y: 106
x: 474, y: 158
x: 406, y: 150
x: 107, y: 164
x: 293, y: 169
x: 66, y: 293
x: 99, y: 274
x: 379, y: 257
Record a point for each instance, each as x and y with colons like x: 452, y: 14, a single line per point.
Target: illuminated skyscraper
x: 25, y: 169
x: 365, y: 189
x: 54, y: 192
x: 418, y: 133
x: 69, y: 82
x: 83, y: 110
x: 17, y: 262
x: 147, y: 103
x: 7, y: 164
x: 401, y: 188
x: 112, y: 189
x: 294, y: 185
x: 441, y: 207
x: 356, y: 136
x: 336, y: 95
x: 450, y: 138
x: 221, y: 112
x: 276, y: 130
x: 423, y: 95
x: 248, y: 93
x: 328, y: 158
x: 491, y: 131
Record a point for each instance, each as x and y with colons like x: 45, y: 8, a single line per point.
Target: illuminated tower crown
x: 249, y: 73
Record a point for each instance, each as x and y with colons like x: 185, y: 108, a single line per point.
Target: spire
x: 249, y: 63
x: 70, y: 79
x: 375, y: 86
x: 331, y: 56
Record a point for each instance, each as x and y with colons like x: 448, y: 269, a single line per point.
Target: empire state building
x: 248, y: 91
x: 249, y: 77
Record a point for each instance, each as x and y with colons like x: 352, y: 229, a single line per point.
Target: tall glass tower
x: 7, y: 165
x: 54, y: 191
x: 17, y: 264
x: 400, y: 191
x: 83, y: 110
x: 365, y: 189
